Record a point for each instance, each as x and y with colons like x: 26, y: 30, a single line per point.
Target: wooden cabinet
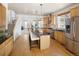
x: 1, y: 51
x: 45, y: 22
x: 44, y: 42
x: 52, y: 19
x: 2, y: 15
x: 59, y: 36
x: 75, y: 11
x: 55, y: 35
x: 6, y: 47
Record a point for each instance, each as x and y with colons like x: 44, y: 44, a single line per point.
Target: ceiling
x: 35, y: 8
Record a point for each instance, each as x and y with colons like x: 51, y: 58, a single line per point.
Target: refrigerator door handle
x: 73, y: 29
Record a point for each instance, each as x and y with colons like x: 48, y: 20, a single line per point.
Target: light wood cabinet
x: 75, y: 11
x: 59, y: 36
x: 6, y: 47
x: 55, y: 35
x: 45, y: 22
x: 1, y: 51
x: 44, y: 42
x: 52, y: 19
x: 2, y: 15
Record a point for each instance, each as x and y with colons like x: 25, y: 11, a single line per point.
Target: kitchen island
x: 44, y: 40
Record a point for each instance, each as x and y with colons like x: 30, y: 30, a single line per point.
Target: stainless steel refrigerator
x: 72, y: 35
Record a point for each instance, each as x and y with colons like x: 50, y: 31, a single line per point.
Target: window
x: 61, y: 22
x: 26, y: 26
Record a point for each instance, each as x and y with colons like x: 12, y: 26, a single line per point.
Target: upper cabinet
x: 52, y: 19
x: 75, y: 12
x: 45, y: 22
x: 2, y: 16
x: 11, y: 16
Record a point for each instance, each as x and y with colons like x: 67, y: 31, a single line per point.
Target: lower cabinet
x: 1, y: 51
x: 55, y: 35
x: 69, y: 44
x: 76, y: 48
x: 6, y: 47
x: 59, y: 36
x: 44, y: 42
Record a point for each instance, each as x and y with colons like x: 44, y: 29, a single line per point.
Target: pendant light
x: 41, y: 11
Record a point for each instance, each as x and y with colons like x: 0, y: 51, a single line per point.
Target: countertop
x: 4, y: 37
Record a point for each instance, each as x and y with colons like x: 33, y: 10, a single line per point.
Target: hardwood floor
x: 21, y: 48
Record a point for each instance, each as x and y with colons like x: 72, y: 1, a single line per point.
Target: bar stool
x: 34, y: 40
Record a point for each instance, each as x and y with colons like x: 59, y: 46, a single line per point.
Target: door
x: 76, y: 28
x: 69, y: 44
x: 44, y: 42
x: 4, y: 15
x: 76, y: 35
x: 76, y: 47
x: 0, y: 15
x: 8, y: 48
x: 2, y: 51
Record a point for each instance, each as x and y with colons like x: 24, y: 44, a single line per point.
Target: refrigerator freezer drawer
x: 76, y: 48
x: 69, y: 44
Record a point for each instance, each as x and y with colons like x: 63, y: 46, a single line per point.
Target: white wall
x: 17, y: 29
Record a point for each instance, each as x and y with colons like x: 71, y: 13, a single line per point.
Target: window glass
x: 61, y: 22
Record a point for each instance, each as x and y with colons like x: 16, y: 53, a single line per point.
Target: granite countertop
x: 60, y: 30
x: 4, y: 37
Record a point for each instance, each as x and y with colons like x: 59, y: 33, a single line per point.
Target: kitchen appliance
x: 73, y: 35
x: 68, y: 27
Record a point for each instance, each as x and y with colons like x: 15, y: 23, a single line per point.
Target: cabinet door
x: 76, y: 48
x: 2, y: 52
x: 69, y: 44
x: 0, y: 15
x: 44, y: 42
x: 8, y: 48
x: 75, y: 11
x: 61, y: 37
x: 4, y: 15
x: 55, y: 35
